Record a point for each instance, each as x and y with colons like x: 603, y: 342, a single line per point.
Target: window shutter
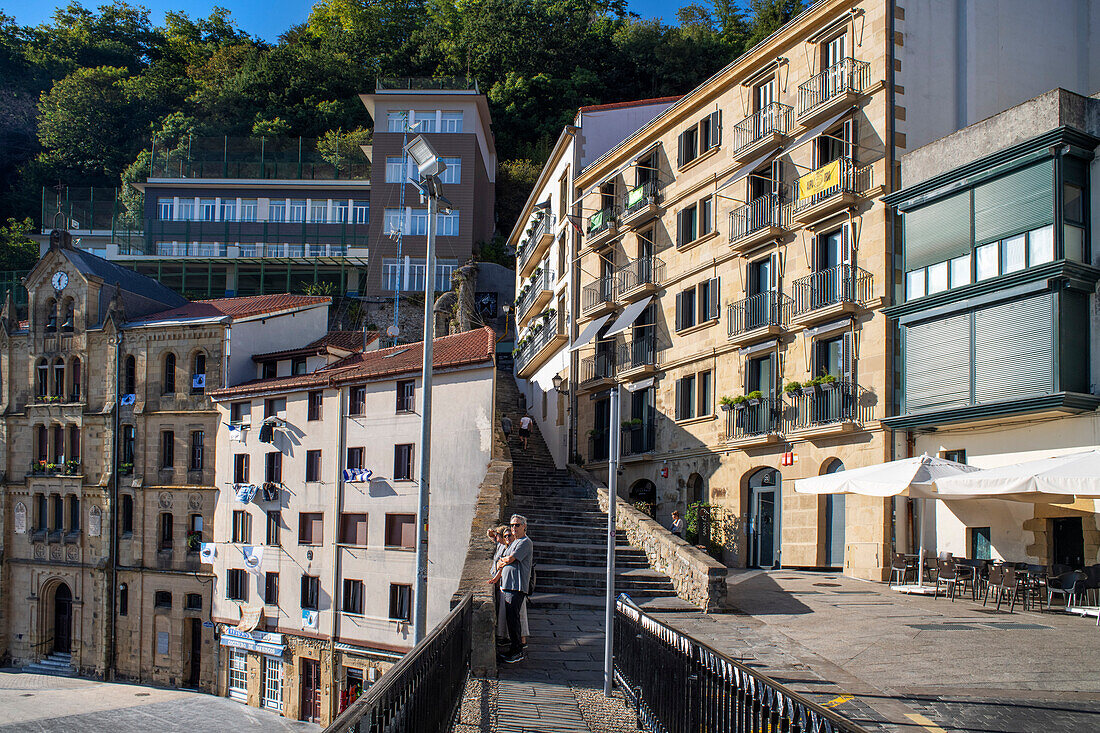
x: 679, y: 313
x: 679, y: 399
x: 847, y: 359
x: 938, y: 231
x: 850, y: 139
x: 712, y: 306
x: 680, y: 151
x: 773, y: 273
x: 937, y: 364
x: 398, y: 462
x: 777, y: 169
x: 1013, y: 203
x: 716, y: 128
x: 1014, y: 349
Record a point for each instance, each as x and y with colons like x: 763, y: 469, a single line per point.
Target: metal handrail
x: 540, y: 282
x: 769, y: 308
x: 765, y: 417
x: 774, y: 117
x: 642, y: 271
x: 639, y: 197
x: 847, y: 75
x: 423, y: 690
x: 637, y: 352
x: 840, y: 284
x: 838, y: 402
x: 761, y: 212
x: 598, y: 292
x: 680, y: 685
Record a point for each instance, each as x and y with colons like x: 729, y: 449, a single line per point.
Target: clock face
x: 60, y: 280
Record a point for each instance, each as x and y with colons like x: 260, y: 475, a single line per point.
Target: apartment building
x: 755, y: 350
x: 997, y: 317
x: 544, y: 239
x: 315, y: 519
x: 109, y: 470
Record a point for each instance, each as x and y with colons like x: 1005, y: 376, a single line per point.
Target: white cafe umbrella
x: 912, y: 477
x: 1056, y: 480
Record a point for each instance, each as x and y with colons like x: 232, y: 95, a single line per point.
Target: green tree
x: 17, y: 250
x: 342, y: 149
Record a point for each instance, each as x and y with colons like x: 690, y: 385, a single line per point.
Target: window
x: 274, y: 525
x: 238, y: 674
x: 395, y: 121
x: 393, y: 221
x: 129, y: 376
x: 273, y: 468
x: 402, y: 462
x: 353, y: 529
x: 167, y: 449
x: 196, y: 462
x: 298, y: 366
x: 353, y: 596
x: 340, y: 212
x: 275, y: 408
x: 697, y: 304
x: 162, y: 599
x: 988, y: 261
x: 276, y: 211
x: 236, y: 585
x: 187, y: 210
x: 41, y: 512
x: 123, y: 599
x: 242, y: 526
x: 42, y: 378
x: 958, y: 455
x: 310, y: 528
x: 127, y: 515
x: 694, y: 221
x: 271, y: 589
x: 42, y: 443
x: 311, y: 591
x: 318, y: 212
x: 400, y: 602
x: 240, y: 413
x: 937, y: 278
x: 360, y: 212
x: 354, y: 458
x: 193, y: 602
x: 58, y: 444
x: 980, y: 547
x: 313, y: 405
x: 166, y: 531
x: 229, y: 210
x: 453, y: 172
x: 1013, y: 254
x: 446, y: 225
x: 248, y: 210
x: 164, y: 209
x: 406, y: 390
x: 694, y: 396
x: 401, y: 531
x: 240, y: 468
x: 74, y: 513
x: 398, y: 169
x: 198, y: 374
x: 451, y: 122
x: 58, y: 377
x: 74, y: 443
x: 313, y: 465
x: 357, y: 397
x: 298, y: 210
x: 169, y: 379
x: 194, y: 533
x: 700, y: 138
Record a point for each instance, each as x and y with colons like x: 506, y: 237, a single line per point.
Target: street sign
x: 208, y: 624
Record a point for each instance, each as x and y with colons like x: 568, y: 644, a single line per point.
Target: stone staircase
x: 58, y: 664
x: 570, y: 531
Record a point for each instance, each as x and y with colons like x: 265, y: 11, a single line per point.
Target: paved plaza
x: 33, y: 702
x: 896, y: 662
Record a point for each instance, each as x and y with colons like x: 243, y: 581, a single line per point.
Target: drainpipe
x: 341, y: 442
x: 110, y: 668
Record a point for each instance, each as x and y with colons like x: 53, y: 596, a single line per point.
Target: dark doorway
x: 1068, y: 542
x: 63, y: 619
x: 834, y: 522
x: 311, y: 691
x: 194, y: 660
x: 764, y: 493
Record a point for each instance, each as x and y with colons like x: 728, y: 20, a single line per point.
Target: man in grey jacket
x: 515, y: 584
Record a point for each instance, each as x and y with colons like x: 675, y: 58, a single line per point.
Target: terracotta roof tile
x: 472, y: 347
x: 632, y: 103
x: 352, y: 341
x: 242, y: 307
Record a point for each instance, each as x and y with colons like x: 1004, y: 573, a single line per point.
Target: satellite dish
x: 393, y: 332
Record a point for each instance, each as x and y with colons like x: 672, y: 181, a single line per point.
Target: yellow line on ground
x: 840, y: 700
x: 925, y: 723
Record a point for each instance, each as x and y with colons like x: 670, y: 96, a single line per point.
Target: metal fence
x: 769, y: 308
x: 423, y: 691
x: 260, y: 157
x: 763, y: 211
x: 597, y: 293
x: 680, y: 685
x: 832, y: 286
x: 847, y: 75
x: 838, y: 402
x: 774, y: 117
x: 642, y: 271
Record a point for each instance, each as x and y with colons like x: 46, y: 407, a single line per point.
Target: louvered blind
x: 1014, y: 203
x: 937, y: 364
x: 1014, y: 349
x: 938, y: 231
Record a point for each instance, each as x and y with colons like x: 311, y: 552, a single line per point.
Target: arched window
x: 59, y: 377
x: 51, y: 316
x: 129, y: 376
x: 169, y: 378
x: 74, y: 379
x: 68, y: 316
x: 198, y: 374
x: 42, y: 378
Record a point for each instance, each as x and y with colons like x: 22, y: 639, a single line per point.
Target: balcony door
x: 643, y: 343
x: 607, y: 276
x: 832, y: 281
x: 763, y: 97
x: 833, y: 356
x: 763, y: 285
x: 832, y: 53
x: 644, y: 266
x: 642, y: 408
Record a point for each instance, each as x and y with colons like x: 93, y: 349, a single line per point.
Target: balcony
x: 637, y: 279
x: 536, y: 241
x: 602, y: 226
x: 832, y: 90
x: 835, y: 409
x: 637, y: 357
x: 755, y: 424
x: 638, y: 438
x: 543, y: 338
x: 639, y: 204
x: 758, y: 222
x: 535, y: 294
x: 758, y: 317
x: 762, y: 132
x: 598, y: 297
x: 598, y: 370
x: 829, y: 294
x: 831, y: 188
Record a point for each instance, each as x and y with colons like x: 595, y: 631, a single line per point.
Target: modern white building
x: 318, y: 483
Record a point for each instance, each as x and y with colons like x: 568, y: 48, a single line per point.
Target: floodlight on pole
x: 428, y: 162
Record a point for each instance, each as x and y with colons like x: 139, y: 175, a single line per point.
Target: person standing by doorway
x: 515, y: 584
x: 525, y: 429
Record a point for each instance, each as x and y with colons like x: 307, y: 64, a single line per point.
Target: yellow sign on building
x: 819, y: 180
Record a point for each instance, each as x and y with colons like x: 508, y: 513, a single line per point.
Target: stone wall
x: 697, y: 577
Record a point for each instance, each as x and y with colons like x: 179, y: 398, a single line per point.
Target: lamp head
x: 556, y: 379
x: 428, y: 162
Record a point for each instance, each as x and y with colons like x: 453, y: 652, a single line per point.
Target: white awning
x: 746, y: 170
x: 590, y: 332
x: 766, y: 346
x: 250, y: 618
x: 628, y: 316
x: 811, y: 134
x: 635, y: 386
x: 828, y: 327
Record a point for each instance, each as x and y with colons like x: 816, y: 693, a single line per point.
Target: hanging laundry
x: 236, y: 434
x: 253, y: 556
x: 244, y: 492
x: 357, y: 475
x: 127, y: 399
x: 271, y: 491
x: 267, y: 433
x: 207, y: 552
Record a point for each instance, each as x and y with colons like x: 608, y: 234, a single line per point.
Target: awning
x: 746, y: 170
x: 628, y: 316
x: 590, y: 332
x: 250, y: 618
x: 766, y: 346
x: 811, y: 134
x: 643, y: 384
x: 828, y: 328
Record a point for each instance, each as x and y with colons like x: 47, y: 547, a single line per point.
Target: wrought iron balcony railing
x: 638, y: 438
x: 530, y: 243
x: 847, y: 75
x: 749, y: 420
x: 637, y: 352
x: 601, y: 220
x: 642, y: 271
x: 639, y: 197
x: 597, y: 293
x: 541, y: 332
x: 542, y: 281
x: 600, y: 365
x: 599, y: 445
x: 770, y: 308
x: 773, y: 118
x: 847, y: 179
x: 836, y: 403
x: 760, y: 213
x: 840, y: 284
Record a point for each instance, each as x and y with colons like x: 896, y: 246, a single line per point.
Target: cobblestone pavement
x: 32, y: 702
x: 894, y: 662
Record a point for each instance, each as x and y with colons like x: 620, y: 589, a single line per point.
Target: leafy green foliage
x: 17, y: 250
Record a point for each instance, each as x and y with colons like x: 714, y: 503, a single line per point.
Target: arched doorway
x: 645, y: 491
x: 834, y: 521
x: 765, y: 492
x: 62, y: 619
x: 696, y: 490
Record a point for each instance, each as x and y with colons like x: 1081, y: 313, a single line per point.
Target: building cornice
x: 1065, y: 402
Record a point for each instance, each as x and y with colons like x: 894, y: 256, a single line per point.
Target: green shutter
x: 937, y: 364
x: 1014, y: 350
x: 938, y: 231
x: 1014, y: 203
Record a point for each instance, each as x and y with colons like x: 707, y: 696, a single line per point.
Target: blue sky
x: 264, y: 18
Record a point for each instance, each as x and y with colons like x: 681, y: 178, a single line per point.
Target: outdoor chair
x: 1092, y: 584
x: 1032, y: 585
x: 991, y: 581
x: 899, y: 569
x: 1068, y: 585
x: 970, y: 573
x: 951, y: 576
x: 1012, y: 582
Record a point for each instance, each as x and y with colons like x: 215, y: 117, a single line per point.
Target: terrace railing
x: 769, y: 308
x: 762, y: 212
x: 836, y: 403
x: 774, y: 117
x: 847, y: 75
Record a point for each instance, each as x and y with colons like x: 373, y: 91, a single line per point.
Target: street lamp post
x: 429, y: 166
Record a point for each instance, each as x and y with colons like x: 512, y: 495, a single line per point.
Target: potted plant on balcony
x: 72, y: 468
x: 791, y: 387
x: 739, y: 402
x: 828, y: 382
x: 754, y: 397
x: 632, y: 424
x: 812, y: 386
x: 548, y: 314
x: 726, y: 403
x: 38, y: 468
x: 51, y: 468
